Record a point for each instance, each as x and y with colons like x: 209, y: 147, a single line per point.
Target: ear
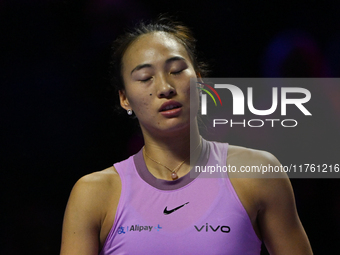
x: 124, y: 101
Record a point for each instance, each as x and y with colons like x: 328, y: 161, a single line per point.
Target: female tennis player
x: 148, y: 203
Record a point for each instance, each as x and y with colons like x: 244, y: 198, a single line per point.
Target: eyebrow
x: 176, y: 58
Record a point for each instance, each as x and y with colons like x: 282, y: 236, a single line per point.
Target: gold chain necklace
x: 174, y: 175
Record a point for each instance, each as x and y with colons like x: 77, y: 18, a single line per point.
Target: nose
x: 164, y: 88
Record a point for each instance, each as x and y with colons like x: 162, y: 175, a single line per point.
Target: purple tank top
x: 185, y: 216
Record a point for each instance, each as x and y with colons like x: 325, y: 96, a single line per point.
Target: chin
x: 172, y: 127
x: 176, y: 127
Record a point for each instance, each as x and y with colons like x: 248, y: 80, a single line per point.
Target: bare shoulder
x: 106, y: 177
x: 268, y: 197
x: 98, y: 182
x: 92, y: 192
x: 258, y: 175
x: 238, y: 154
x: 87, y: 210
x: 254, y: 163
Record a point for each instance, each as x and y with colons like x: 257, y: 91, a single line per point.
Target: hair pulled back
x: 163, y: 24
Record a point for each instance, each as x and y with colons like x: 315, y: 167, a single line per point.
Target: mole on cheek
x: 150, y: 94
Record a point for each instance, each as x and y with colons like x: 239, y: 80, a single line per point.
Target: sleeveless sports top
x: 184, y: 216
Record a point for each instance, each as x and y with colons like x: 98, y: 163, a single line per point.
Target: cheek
x: 186, y: 87
x: 141, y: 104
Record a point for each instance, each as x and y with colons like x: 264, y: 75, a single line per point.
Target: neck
x: 171, y: 150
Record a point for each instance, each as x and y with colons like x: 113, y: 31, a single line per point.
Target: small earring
x: 129, y: 112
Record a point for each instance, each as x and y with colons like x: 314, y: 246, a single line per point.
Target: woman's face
x: 156, y: 70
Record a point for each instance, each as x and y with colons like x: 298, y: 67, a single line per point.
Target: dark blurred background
x: 57, y: 116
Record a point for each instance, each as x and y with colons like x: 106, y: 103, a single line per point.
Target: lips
x: 171, y: 109
x: 170, y: 105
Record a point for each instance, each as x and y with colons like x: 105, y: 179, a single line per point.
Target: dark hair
x: 163, y: 24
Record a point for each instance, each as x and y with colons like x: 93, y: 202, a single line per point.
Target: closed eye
x: 145, y: 80
x: 178, y: 72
